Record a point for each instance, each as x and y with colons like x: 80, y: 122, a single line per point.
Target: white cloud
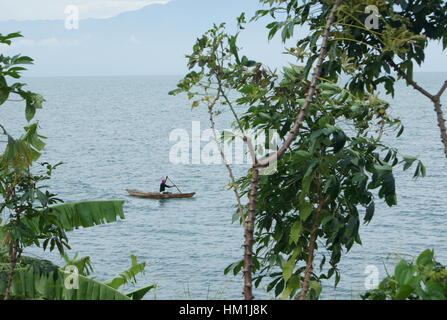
x: 55, y: 9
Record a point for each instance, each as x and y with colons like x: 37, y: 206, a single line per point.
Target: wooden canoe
x: 152, y: 195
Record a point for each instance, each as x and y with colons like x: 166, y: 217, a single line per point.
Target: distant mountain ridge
x: 151, y: 41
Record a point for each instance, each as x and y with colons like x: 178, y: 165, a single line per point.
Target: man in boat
x: 163, y: 187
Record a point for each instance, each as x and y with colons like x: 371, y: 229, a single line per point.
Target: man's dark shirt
x: 163, y: 187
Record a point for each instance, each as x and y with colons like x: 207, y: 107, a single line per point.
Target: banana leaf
x: 140, y: 293
x: 89, y: 213
x: 38, y: 279
x: 31, y: 284
x: 128, y: 276
x: 77, y: 214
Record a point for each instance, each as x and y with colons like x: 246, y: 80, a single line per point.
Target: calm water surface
x: 113, y: 134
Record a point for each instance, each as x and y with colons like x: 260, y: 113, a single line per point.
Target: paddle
x: 174, y: 184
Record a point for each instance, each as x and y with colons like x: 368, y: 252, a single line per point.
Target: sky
x: 136, y: 37
x: 55, y: 9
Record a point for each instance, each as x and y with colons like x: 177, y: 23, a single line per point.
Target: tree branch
x: 310, y: 260
x: 222, y: 154
x: 310, y: 93
x: 441, y: 91
x: 251, y: 149
x: 408, y: 79
x: 436, y: 99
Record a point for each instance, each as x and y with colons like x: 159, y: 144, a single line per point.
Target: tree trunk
x: 249, y: 236
x: 249, y: 227
x: 441, y: 121
x: 14, y: 249
x: 310, y: 260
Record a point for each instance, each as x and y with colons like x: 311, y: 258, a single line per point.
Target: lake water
x: 113, y: 133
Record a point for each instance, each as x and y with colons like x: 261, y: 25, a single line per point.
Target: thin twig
x: 222, y: 154
x: 441, y: 91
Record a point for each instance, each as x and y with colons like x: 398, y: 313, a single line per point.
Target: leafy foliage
x: 83, y: 265
x: 87, y: 213
x: 28, y: 205
x: 42, y: 223
x: 40, y: 279
x: 422, y: 279
x: 338, y: 166
x: 405, y: 29
x: 127, y: 276
x: 12, y: 67
x: 35, y: 216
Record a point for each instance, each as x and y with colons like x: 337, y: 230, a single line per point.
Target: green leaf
x: 32, y: 138
x: 327, y: 94
x: 317, y: 288
x: 236, y: 216
x: 403, y: 273
x: 233, y: 48
x: 288, y: 268
x: 404, y: 292
x: 401, y: 131
x: 302, y: 155
x: 76, y: 214
x: 175, y: 92
x: 423, y: 170
x: 331, y: 87
x: 306, y: 185
x: 279, y: 287
x: 333, y: 186
x: 34, y: 284
x: 265, y: 116
x: 305, y: 211
x: 23, y: 60
x: 369, y: 212
x: 409, y: 162
x: 326, y: 220
x: 286, y: 293
x: 127, y: 276
x: 4, y: 90
x: 434, y: 290
x: 296, y: 231
x: 42, y: 198
x: 30, y: 111
x: 195, y: 104
x: 383, y: 170
x: 140, y: 293
x: 425, y: 258
x: 389, y: 189
x: 89, y: 213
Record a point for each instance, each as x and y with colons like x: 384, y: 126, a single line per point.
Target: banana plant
x: 41, y: 279
x: 35, y: 216
x: 44, y: 224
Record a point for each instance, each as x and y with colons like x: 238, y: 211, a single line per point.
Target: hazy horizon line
x: 150, y: 75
